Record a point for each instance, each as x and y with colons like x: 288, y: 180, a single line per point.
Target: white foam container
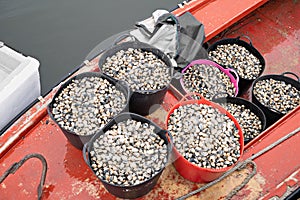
x: 19, y: 83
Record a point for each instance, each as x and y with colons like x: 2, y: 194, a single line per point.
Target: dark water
x: 60, y: 33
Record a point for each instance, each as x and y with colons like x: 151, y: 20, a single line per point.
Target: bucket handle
x: 122, y: 37
x: 171, y: 143
x: 84, y: 153
x: 190, y: 94
x: 184, y: 98
x: 196, y: 62
x: 274, y: 110
x: 284, y: 73
x: 169, y: 136
x: 219, y: 93
x: 245, y: 36
x: 234, y: 74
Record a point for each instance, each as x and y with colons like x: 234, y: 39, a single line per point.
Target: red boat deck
x: 275, y: 31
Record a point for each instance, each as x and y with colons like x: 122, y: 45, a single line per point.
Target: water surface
x: 60, y: 33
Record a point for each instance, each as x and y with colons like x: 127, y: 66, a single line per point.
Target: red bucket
x: 191, y: 171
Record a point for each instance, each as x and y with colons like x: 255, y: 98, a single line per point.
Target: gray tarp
x: 181, y: 38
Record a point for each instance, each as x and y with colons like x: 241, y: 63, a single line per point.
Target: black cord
x: 14, y: 167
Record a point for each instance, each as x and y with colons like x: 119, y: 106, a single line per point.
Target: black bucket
x: 79, y: 140
x: 249, y: 105
x: 244, y: 84
x: 271, y: 114
x: 140, y: 102
x: 138, y: 190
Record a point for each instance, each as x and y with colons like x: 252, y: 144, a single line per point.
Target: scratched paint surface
x: 274, y: 30
x: 69, y: 177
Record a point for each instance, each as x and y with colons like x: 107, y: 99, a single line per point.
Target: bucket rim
x: 278, y: 77
x: 88, y: 146
x: 207, y: 62
x: 145, y: 47
x: 249, y: 105
x: 125, y: 89
x: 249, y: 46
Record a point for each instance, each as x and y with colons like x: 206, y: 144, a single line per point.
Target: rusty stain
x: 158, y: 117
x: 254, y: 188
x: 170, y: 177
x: 47, y: 190
x: 174, y: 186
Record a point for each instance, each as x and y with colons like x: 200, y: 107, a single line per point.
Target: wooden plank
x: 219, y: 15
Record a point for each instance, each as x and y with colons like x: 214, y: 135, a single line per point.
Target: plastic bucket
x: 79, y: 140
x: 189, y: 170
x: 244, y: 84
x: 271, y: 114
x: 234, y: 78
x: 249, y: 105
x: 138, y: 190
x: 140, y: 102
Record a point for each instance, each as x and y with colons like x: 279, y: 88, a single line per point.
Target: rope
x: 274, y: 144
x: 245, y: 181
x: 241, y: 166
x: 14, y: 167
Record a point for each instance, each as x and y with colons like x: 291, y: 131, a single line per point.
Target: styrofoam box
x: 19, y: 83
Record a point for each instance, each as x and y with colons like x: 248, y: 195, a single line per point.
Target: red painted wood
x: 275, y: 31
x: 280, y: 166
x: 219, y: 15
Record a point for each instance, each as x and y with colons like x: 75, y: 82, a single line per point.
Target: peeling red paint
x: 273, y: 33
